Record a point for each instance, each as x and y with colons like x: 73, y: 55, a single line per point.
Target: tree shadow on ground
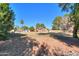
x: 18, y: 45
x: 22, y: 45
x: 63, y: 37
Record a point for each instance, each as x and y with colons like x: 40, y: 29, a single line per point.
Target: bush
x: 31, y: 28
x: 4, y: 36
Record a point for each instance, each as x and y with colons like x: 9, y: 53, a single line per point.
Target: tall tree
x: 21, y: 22
x: 6, y: 19
x: 73, y: 8
x: 57, y: 23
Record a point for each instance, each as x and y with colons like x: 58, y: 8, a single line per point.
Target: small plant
x: 4, y: 36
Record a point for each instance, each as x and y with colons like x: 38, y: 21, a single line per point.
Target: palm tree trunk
x: 75, y: 29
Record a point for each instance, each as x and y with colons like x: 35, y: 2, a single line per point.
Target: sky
x: 33, y: 13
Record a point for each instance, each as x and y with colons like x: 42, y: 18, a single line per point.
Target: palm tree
x: 21, y: 22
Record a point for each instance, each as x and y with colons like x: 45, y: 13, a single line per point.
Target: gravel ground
x: 39, y: 44
x: 17, y: 46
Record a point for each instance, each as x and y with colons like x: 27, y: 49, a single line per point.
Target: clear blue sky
x: 33, y: 13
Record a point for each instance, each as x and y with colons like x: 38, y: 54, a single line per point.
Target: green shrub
x: 31, y: 28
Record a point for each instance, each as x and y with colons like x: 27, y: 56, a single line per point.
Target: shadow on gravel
x: 22, y: 45
x: 17, y: 45
x: 64, y: 38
